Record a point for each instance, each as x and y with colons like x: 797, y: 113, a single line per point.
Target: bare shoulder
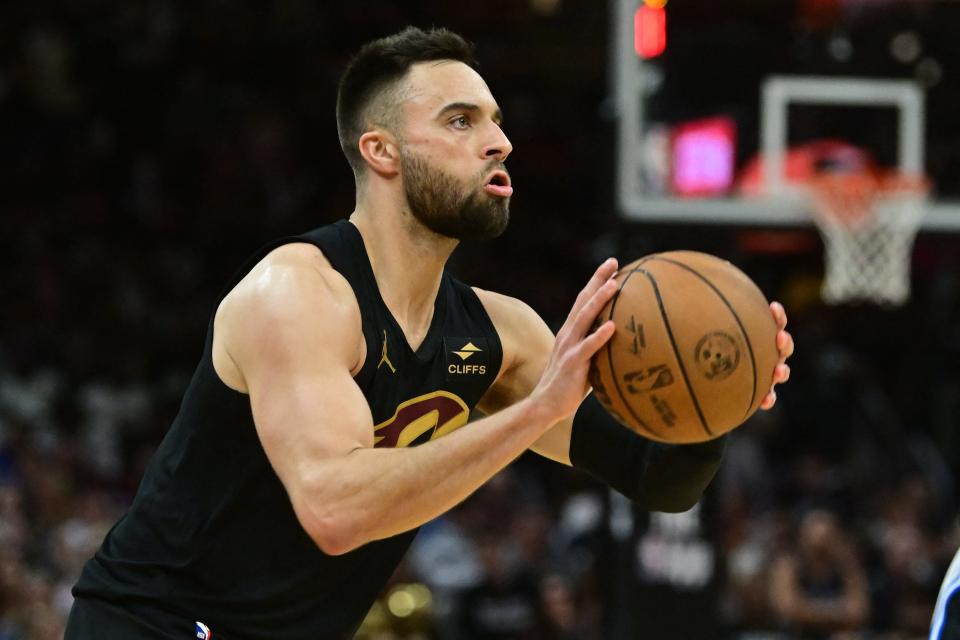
x: 292, y: 297
x: 291, y: 280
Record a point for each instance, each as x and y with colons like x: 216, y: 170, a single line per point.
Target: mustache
x: 496, y: 165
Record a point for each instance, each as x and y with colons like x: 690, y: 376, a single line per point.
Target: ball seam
x: 613, y: 369
x: 676, y: 352
x: 743, y: 330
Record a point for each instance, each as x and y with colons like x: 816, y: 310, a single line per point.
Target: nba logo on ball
x: 203, y: 631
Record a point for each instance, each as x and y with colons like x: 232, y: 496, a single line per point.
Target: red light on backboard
x: 650, y: 31
x: 703, y: 156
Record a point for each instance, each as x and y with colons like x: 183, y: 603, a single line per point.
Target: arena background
x: 146, y: 147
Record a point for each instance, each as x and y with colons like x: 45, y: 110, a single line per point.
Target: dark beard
x: 437, y: 202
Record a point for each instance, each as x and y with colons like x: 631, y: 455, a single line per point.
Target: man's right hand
x: 564, y: 384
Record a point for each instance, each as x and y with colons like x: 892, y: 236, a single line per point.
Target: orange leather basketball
x: 694, y: 350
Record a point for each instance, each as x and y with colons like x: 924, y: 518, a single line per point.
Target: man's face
x: 452, y: 152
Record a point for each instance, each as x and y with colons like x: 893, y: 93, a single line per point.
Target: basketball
x: 694, y: 349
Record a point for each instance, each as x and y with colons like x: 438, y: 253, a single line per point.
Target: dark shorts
x: 93, y: 619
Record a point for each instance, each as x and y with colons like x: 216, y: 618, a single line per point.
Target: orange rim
x: 849, y: 198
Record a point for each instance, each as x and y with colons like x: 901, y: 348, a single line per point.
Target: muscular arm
x: 658, y: 477
x: 292, y: 331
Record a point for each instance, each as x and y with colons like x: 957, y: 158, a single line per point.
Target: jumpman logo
x: 383, y: 355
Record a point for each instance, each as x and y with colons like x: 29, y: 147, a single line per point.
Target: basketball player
x: 288, y: 487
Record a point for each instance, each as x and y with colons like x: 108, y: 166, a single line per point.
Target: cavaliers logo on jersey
x: 421, y: 419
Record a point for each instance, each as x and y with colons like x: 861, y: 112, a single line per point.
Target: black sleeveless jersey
x: 211, y: 540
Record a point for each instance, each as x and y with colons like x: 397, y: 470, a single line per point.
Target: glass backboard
x: 719, y: 122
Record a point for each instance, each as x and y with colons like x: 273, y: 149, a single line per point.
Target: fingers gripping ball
x: 694, y: 350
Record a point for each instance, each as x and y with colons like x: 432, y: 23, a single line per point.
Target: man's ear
x: 381, y: 152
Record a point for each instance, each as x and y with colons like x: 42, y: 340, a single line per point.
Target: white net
x: 868, y: 225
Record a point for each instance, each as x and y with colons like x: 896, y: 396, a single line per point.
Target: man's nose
x: 499, y: 146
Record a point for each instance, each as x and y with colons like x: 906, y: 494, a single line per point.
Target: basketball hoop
x: 868, y: 222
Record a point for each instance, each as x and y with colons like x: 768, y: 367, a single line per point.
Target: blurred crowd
x: 149, y: 146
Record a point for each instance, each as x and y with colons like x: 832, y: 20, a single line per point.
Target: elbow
x: 678, y: 487
x: 332, y: 540
x: 333, y: 535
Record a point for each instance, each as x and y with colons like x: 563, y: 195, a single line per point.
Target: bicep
x: 305, y: 417
x: 294, y: 341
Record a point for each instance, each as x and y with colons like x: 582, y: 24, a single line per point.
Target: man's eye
x: 460, y: 122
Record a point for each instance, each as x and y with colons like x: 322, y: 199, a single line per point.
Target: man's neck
x: 407, y: 261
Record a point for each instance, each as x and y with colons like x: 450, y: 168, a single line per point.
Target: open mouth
x: 498, y: 183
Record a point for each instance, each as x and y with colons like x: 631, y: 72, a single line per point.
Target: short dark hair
x: 377, y: 67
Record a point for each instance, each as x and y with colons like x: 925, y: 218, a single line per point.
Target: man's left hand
x: 785, y: 346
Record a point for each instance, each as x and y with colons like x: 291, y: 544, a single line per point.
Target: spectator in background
x: 819, y: 591
x: 13, y: 521
x: 505, y: 605
x: 746, y: 599
x: 909, y: 568
x: 75, y: 539
x: 566, y: 614
x: 12, y: 578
